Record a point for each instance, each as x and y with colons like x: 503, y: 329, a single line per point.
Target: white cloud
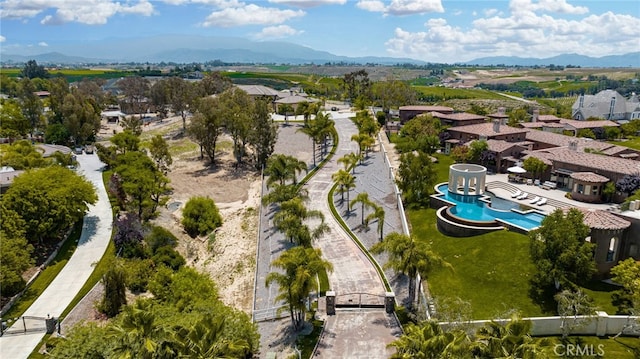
x: 556, y: 6
x: 250, y: 15
x: 43, y: 44
x: 277, y: 32
x: 2, y: 38
x: 521, y: 33
x: 308, y: 3
x: 90, y: 12
x: 402, y: 7
x: 371, y: 5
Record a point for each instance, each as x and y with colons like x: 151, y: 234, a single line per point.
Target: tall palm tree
x: 345, y: 181
x: 378, y: 215
x: 429, y: 341
x: 314, y: 133
x: 290, y: 221
x: 326, y: 128
x: 409, y: 257
x: 350, y: 160
x: 300, y: 266
x: 282, y: 193
x: 281, y: 168
x: 512, y: 340
x: 364, y: 143
x: 365, y: 202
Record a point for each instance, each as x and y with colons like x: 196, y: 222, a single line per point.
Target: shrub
x: 159, y: 237
x: 200, y: 216
x: 169, y: 257
x: 139, y: 272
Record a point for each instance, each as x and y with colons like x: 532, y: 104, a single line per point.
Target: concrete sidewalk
x: 95, y: 237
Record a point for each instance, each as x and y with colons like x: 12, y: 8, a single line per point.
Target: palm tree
x: 204, y: 340
x: 364, y: 143
x: 138, y: 336
x: 512, y: 340
x: 409, y: 257
x: 350, y: 160
x: 365, y: 202
x: 428, y: 340
x: 281, y: 168
x: 345, y: 181
x: 326, y: 128
x: 377, y: 214
x: 282, y: 193
x: 300, y: 266
x: 314, y: 133
x: 290, y: 221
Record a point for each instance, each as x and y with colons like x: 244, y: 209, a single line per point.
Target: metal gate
x: 360, y: 300
x: 263, y: 315
x: 30, y: 324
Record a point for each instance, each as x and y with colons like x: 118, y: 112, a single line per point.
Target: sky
x: 427, y: 30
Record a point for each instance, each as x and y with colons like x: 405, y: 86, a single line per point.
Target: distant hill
x: 189, y: 48
x: 626, y: 60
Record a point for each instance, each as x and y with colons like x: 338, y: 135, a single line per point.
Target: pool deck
x: 533, y: 190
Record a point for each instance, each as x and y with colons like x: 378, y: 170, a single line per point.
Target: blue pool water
x: 472, y: 208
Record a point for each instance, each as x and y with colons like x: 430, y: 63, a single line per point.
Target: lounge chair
x: 535, y: 199
x: 543, y: 201
x: 518, y: 192
x: 524, y: 195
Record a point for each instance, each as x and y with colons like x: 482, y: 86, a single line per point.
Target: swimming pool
x: 489, y: 208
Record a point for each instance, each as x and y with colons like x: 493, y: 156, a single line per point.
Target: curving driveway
x: 96, y: 233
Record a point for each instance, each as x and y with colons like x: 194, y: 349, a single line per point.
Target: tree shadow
x: 543, y: 296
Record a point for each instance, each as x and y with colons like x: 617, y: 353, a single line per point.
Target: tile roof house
x: 608, y: 105
x: 458, y: 118
x: 486, y: 131
x: 408, y: 112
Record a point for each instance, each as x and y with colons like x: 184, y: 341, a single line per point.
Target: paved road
x: 96, y: 233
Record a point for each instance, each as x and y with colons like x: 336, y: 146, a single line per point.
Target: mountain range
x: 188, y: 49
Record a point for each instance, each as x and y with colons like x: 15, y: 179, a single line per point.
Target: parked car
x: 88, y: 149
x: 78, y: 150
x: 334, y: 108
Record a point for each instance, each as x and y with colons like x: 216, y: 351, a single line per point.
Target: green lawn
x: 491, y: 271
x: 618, y: 348
x: 632, y: 142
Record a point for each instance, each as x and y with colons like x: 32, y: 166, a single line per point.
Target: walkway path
x: 350, y: 334
x: 96, y: 233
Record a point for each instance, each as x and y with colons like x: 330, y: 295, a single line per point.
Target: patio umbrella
x: 516, y: 169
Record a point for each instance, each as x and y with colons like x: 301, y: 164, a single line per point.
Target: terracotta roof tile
x: 598, y: 219
x: 486, y: 129
x: 589, y: 177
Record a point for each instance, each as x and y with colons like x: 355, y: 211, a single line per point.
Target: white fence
x: 601, y: 324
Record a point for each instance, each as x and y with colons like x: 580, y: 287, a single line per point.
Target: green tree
x: 357, y: 85
x: 392, y: 93
x: 114, y: 282
x: 135, y: 90
x: 517, y: 116
x: 429, y: 341
x: 13, y: 123
x: 57, y: 134
x: 238, y: 113
x: 509, y: 340
x: 15, y: 253
x: 612, y: 133
x: 417, y: 178
x: 420, y: 133
x: 586, y: 133
x: 282, y: 193
x: 282, y: 168
x: 32, y: 70
x: 206, y: 126
x: 476, y: 148
x: 125, y: 141
x: 264, y: 134
x: 159, y: 152
x: 410, y: 257
x: 627, y: 274
x: 365, y: 142
x: 204, y: 339
x: 22, y: 155
x: 534, y: 166
x: 349, y: 161
x: 300, y: 266
x: 346, y: 182
x: 49, y: 200
x: 315, y: 133
x: 144, y: 186
x: 132, y: 124
x: 559, y: 250
x: 181, y: 95
x: 31, y: 104
x: 291, y: 218
x: 376, y: 215
x: 81, y: 117
x: 200, y: 216
x: 365, y: 202
x: 214, y: 83
x: 461, y: 154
